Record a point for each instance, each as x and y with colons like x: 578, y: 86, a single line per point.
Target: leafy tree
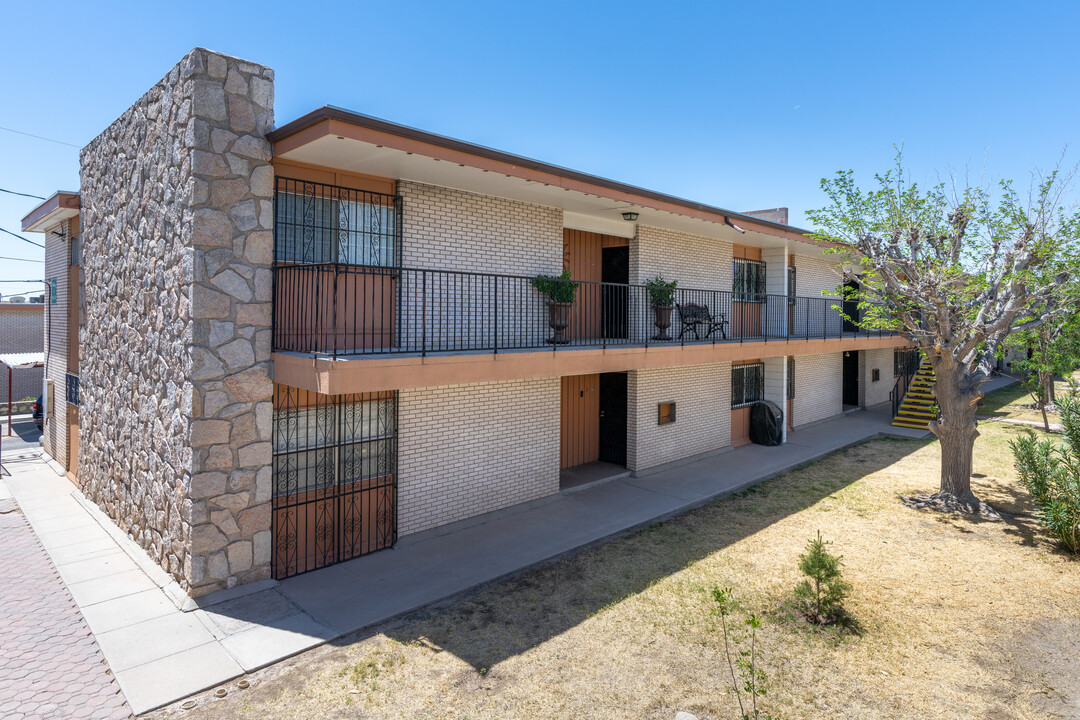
x: 1053, y: 348
x: 952, y: 273
x: 824, y: 590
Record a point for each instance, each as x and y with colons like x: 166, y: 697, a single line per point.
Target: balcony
x: 347, y: 311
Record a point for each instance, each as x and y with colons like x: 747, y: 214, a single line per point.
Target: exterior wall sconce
x: 630, y: 216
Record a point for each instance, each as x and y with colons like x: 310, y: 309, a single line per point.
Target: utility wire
x: 21, y: 238
x: 22, y: 281
x: 23, y: 194
x: 39, y: 137
x: 5, y: 257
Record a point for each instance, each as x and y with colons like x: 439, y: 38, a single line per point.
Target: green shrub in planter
x: 557, y: 288
x: 661, y: 292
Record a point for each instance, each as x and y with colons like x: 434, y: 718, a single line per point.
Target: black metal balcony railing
x: 71, y: 389
x: 363, y: 310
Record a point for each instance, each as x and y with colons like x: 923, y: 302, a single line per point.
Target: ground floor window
x: 747, y: 384
x: 334, y: 477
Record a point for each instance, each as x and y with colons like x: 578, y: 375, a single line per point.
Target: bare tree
x: 954, y: 273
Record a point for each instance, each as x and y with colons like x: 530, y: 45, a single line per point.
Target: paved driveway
x: 24, y: 434
x: 50, y: 665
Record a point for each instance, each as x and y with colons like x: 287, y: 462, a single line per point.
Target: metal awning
x: 18, y: 361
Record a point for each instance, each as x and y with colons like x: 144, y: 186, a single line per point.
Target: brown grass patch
x: 962, y: 617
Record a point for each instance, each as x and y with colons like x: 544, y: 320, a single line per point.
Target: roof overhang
x: 335, y: 138
x: 61, y: 206
x: 23, y: 361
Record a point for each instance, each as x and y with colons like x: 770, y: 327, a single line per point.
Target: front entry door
x: 613, y: 418
x: 616, y: 300
x: 851, y: 377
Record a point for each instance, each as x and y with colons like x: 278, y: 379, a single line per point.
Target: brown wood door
x: 740, y: 426
x: 583, y: 255
x: 580, y: 425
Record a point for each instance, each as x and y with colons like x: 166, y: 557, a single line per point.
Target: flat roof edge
x: 330, y: 112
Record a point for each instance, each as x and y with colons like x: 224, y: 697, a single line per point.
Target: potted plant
x: 560, y: 291
x: 662, y: 298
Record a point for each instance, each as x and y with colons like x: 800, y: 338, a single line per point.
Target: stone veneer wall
x: 177, y: 213
x: 464, y: 450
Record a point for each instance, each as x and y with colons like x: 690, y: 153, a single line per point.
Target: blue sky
x: 741, y: 105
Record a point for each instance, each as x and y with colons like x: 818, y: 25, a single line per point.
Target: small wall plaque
x: 665, y: 413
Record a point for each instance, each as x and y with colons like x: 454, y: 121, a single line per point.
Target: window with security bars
x: 747, y: 384
x: 331, y: 443
x: 326, y: 224
x: 748, y: 281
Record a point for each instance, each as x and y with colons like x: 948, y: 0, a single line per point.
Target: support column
x: 776, y: 385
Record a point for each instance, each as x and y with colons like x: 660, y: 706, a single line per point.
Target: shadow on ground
x: 509, y: 617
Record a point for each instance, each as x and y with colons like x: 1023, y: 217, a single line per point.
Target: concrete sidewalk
x: 160, y: 653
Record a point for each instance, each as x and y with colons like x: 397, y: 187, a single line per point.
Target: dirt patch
x: 961, y: 617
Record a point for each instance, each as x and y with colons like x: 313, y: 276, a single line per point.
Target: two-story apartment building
x: 301, y: 344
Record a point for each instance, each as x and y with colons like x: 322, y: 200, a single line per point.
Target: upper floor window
x: 324, y: 224
x: 748, y: 281
x: 76, y: 251
x: 791, y: 284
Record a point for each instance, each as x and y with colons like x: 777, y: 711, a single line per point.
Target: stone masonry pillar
x: 177, y: 199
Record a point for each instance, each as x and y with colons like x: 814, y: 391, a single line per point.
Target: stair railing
x: 903, y: 381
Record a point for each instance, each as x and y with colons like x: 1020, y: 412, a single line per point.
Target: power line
x: 22, y: 281
x: 21, y: 238
x: 39, y: 137
x: 5, y: 257
x: 23, y: 194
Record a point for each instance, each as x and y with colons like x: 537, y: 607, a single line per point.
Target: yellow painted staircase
x: 917, y: 408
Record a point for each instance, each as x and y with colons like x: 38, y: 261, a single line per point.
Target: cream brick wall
x: 818, y: 387
x: 696, y: 261
x: 816, y: 274
x: 464, y: 450
x: 873, y: 393
x: 446, y: 229
x: 776, y: 385
x: 702, y: 397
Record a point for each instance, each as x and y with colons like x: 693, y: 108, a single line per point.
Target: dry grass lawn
x: 963, y: 618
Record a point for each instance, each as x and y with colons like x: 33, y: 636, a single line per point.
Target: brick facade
x: 702, y: 397
x: 22, y: 331
x: 818, y: 387
x: 57, y: 265
x: 873, y: 393
x: 464, y: 450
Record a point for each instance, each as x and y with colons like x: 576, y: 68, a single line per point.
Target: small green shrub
x: 824, y: 590
x: 661, y: 291
x: 1051, y: 473
x: 557, y: 288
x: 753, y: 677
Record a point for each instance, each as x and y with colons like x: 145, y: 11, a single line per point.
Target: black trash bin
x: 766, y: 423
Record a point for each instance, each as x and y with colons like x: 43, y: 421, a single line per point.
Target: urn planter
x: 559, y: 320
x: 663, y: 321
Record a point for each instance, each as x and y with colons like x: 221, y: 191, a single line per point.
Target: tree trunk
x: 1046, y: 382
x: 956, y: 429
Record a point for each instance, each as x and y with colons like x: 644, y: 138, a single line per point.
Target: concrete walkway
x: 160, y: 654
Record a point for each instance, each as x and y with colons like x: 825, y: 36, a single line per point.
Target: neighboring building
x: 58, y: 219
x: 302, y: 344
x: 21, y: 331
